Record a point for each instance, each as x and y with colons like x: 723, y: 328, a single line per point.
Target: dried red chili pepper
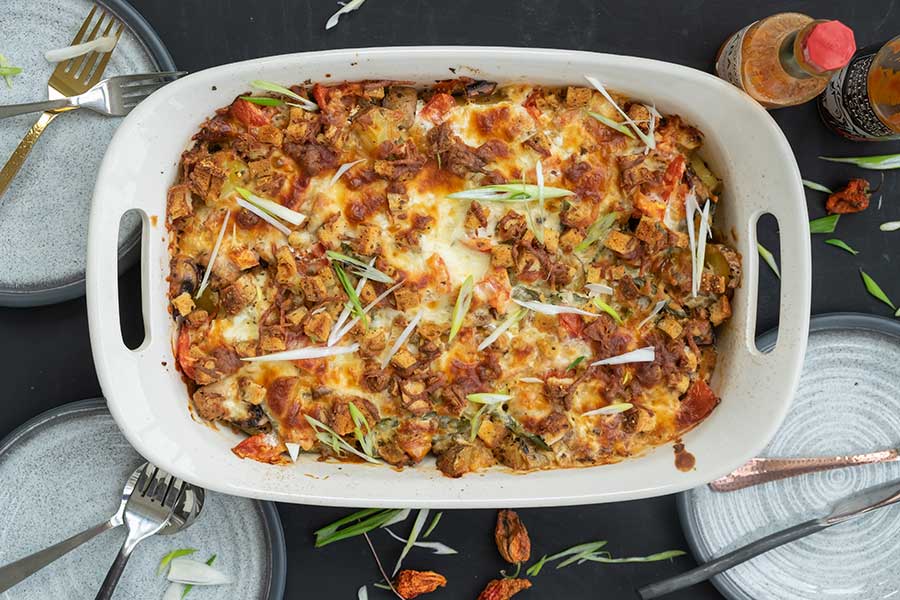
x: 410, y: 584
x: 853, y: 198
x: 512, y: 538
x: 503, y: 589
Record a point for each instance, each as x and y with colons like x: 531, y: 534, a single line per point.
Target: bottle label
x: 728, y: 63
x: 845, y: 105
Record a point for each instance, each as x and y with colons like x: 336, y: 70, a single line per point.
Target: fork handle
x: 117, y: 568
x: 15, y: 572
x: 14, y: 110
x: 18, y: 157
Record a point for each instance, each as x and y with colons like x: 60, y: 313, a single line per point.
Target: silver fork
x: 149, y: 509
x: 114, y: 97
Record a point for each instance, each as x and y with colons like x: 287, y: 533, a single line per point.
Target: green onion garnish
x: 648, y: 139
x: 599, y: 303
x: 273, y: 208
x: 510, y: 192
x: 434, y: 523
x: 488, y: 398
x: 824, y: 224
x: 769, y: 258
x: 842, y: 245
x: 597, y: 231
x: 463, y: 301
x: 7, y: 71
x: 572, y: 365
x: 511, y: 320
x: 880, y: 162
x: 475, y: 423
x: 604, y: 557
x: 358, y: 523
x: 890, y: 226
x: 330, y: 437
x: 816, y: 186
x: 263, y: 100
x: 351, y: 294
x: 875, y: 290
x: 361, y: 269
x: 164, y: 562
x: 620, y: 127
x: 418, y: 524
x: 589, y: 547
x: 360, y: 423
x: 269, y: 86
x: 189, y: 586
x: 590, y: 552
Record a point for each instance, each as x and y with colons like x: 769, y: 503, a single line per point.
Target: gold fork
x: 72, y: 77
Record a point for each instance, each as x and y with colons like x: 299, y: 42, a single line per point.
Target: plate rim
x: 149, y: 40
x: 273, y: 530
x: 765, y: 342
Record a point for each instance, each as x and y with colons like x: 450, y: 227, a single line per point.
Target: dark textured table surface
x: 46, y: 351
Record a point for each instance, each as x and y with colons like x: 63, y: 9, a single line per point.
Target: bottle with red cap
x: 785, y: 59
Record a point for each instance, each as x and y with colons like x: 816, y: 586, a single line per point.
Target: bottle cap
x: 829, y: 46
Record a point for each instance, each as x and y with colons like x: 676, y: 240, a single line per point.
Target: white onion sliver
x: 647, y: 354
x: 343, y: 169
x: 212, y: 257
x: 659, y: 306
x: 101, y: 44
x: 553, y: 309
x: 264, y: 216
x: 305, y: 353
x: 595, y: 289
x: 530, y: 380
x: 436, y: 547
x: 890, y: 226
x: 293, y: 449
x: 362, y: 593
x: 701, y: 245
x: 273, y: 208
x: 405, y: 334
x: 649, y: 141
x: 690, y: 207
x: 174, y: 591
x: 349, y: 7
x: 194, y: 572
x: 612, y: 409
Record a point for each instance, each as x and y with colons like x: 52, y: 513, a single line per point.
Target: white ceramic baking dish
x: 149, y: 400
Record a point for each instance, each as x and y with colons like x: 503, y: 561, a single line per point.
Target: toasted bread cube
x: 406, y: 298
x: 269, y: 134
x: 260, y: 168
x: 368, y: 293
x: 271, y: 340
x: 286, y: 271
x: 331, y: 231
x: 652, y: 232
x: 296, y: 316
x: 501, y: 256
x: 367, y: 241
x: 314, y: 288
x: 570, y: 239
x: 720, y: 311
x: 184, y: 304
x: 594, y: 274
x: 712, y: 283
x: 403, y: 359
x: 318, y: 326
x: 178, y: 202
x: 431, y: 330
x: 577, y: 96
x: 244, y: 258
x: 670, y: 326
x: 616, y: 272
x: 620, y: 243
x: 373, y: 341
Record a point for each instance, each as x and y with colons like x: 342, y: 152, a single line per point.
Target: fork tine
x: 174, y: 493
x: 127, y: 81
x: 78, y: 62
x: 101, y: 67
x: 146, y: 479
x: 91, y: 57
x: 80, y: 35
x: 139, y: 92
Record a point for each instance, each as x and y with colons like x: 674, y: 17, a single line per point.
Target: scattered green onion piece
x: 361, y: 269
x: 545, y: 308
x: 360, y: 423
x: 598, y: 231
x: 599, y: 303
x: 404, y: 335
x: 880, y: 162
x: 164, y: 562
x: 351, y: 294
x: 574, y: 364
x: 506, y: 324
x: 9, y: 71
x: 649, y: 140
x: 824, y: 224
x: 620, y: 127
x: 516, y: 428
x: 539, y: 177
x: 411, y: 540
x: 600, y: 558
x: 346, y: 8
x: 331, y: 437
x: 363, y: 593
x: 611, y: 409
x: 188, y: 587
x: 263, y: 100
x: 875, y: 290
x: 273, y: 208
x: 434, y: 524
x: 304, y: 353
x: 463, y: 301
x: 8, y: 78
x: 890, y: 226
x: 587, y: 548
x: 488, y: 398
x: 212, y: 256
x: 509, y: 192
x: 842, y: 245
x: 816, y: 186
x: 475, y: 423
x: 769, y: 258
x: 269, y: 86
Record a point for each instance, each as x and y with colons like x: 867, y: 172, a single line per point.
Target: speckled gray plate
x: 44, y: 213
x: 63, y: 472
x: 848, y: 401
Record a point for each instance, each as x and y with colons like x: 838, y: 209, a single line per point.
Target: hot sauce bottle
x: 785, y: 59
x: 862, y: 102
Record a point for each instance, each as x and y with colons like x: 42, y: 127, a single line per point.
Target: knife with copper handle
x: 761, y: 470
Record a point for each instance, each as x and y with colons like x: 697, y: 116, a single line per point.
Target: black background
x: 46, y: 351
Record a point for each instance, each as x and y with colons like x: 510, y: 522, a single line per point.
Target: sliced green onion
x: 9, y: 71
x: 332, y: 438
x: 360, y: 423
x: 587, y: 548
x: 611, y: 409
x: 436, y: 547
x: 506, y: 324
x: 880, y: 162
x: 263, y: 100
x: 539, y: 175
x: 463, y: 301
x: 269, y: 86
x: 510, y: 192
x: 164, y: 562
x: 343, y: 169
x: 305, y: 353
x: 842, y: 245
x: 531, y: 380
x: 875, y: 290
x: 282, y: 212
x: 598, y: 231
x: 434, y: 524
x: 599, y: 303
x: 362, y: 269
x: 349, y: 326
x: 552, y: 309
x: 824, y: 224
x: 890, y: 226
x: 194, y: 572
x: 362, y: 593
x: 264, y: 216
x: 659, y: 306
x: 816, y: 186
x: 649, y: 140
x: 600, y: 558
x: 418, y: 524
x: 488, y: 398
x: 357, y: 523
x: 351, y: 294
x: 101, y: 45
x: 212, y: 257
x: 189, y: 587
x: 346, y: 8
x: 769, y: 258
x: 646, y: 354
x: 574, y: 364
x: 8, y: 75
x: 475, y: 422
x: 595, y: 289
x: 620, y: 127
x: 403, y: 336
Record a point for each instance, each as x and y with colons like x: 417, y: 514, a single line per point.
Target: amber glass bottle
x: 862, y: 102
x: 785, y: 59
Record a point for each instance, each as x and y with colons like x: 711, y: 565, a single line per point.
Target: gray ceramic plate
x: 848, y: 401
x: 63, y: 471
x: 44, y: 213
